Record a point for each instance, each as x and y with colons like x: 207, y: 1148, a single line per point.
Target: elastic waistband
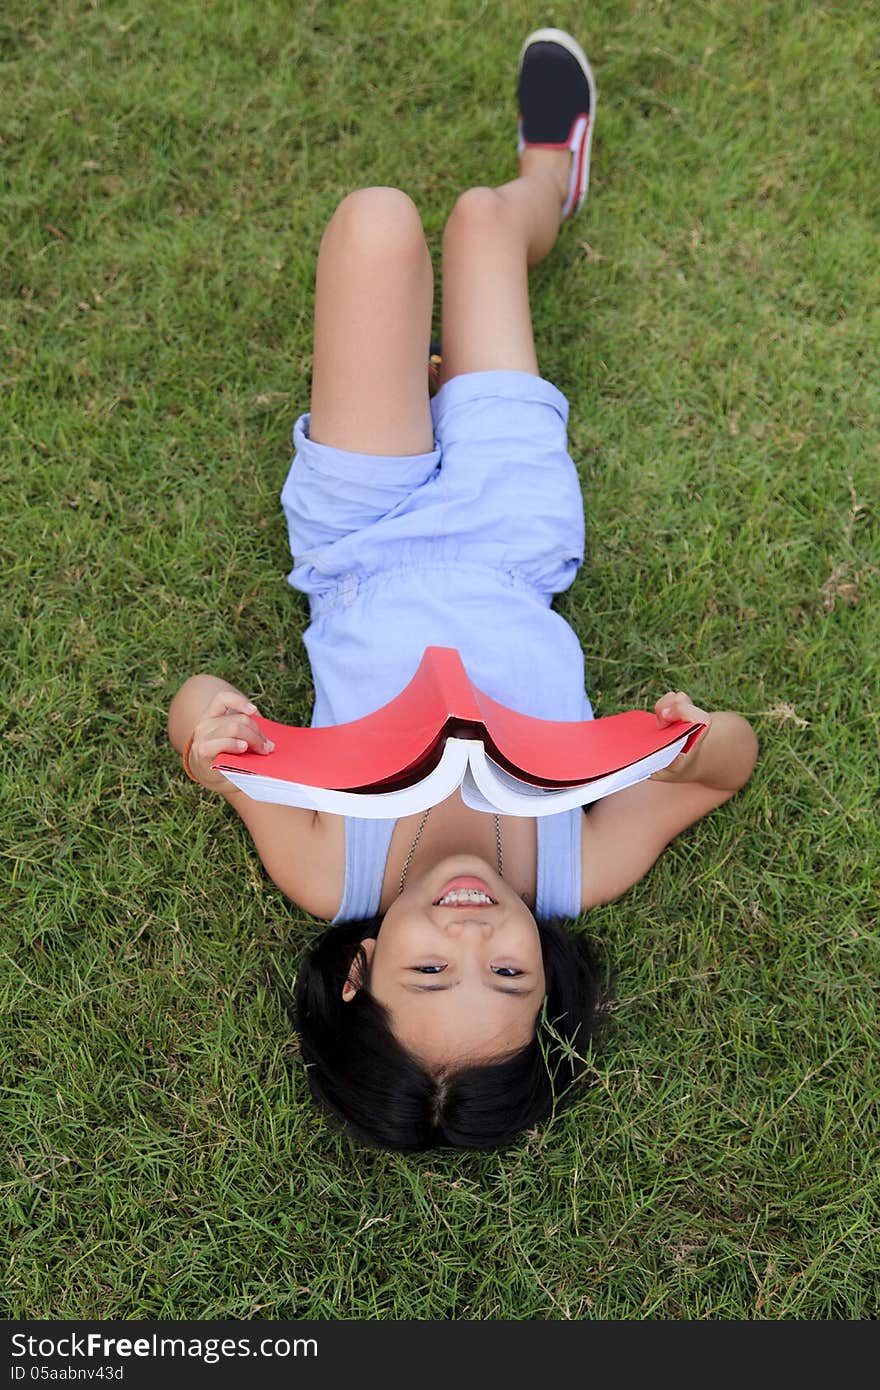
x: 350, y: 587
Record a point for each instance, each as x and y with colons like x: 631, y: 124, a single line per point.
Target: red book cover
x: 399, y: 743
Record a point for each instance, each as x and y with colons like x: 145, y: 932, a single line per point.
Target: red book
x: 442, y: 732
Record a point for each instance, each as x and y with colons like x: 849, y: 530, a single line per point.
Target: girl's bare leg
x: 492, y: 237
x: 373, y: 302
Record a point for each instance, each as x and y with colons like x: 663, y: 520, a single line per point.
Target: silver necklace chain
x: 412, y: 851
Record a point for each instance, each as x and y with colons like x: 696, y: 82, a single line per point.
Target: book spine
x: 446, y: 670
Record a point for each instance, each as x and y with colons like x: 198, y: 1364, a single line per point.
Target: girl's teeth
x: 464, y: 895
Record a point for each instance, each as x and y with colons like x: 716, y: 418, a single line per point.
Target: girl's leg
x: 492, y: 237
x: 373, y: 302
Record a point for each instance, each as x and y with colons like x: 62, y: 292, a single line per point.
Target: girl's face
x: 463, y: 982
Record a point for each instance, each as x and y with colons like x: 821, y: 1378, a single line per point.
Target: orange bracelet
x: 186, y: 752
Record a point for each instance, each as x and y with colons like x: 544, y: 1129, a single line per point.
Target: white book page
x: 489, y: 787
x: 438, y: 784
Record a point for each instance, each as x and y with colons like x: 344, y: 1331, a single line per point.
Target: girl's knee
x: 476, y: 211
x: 377, y: 220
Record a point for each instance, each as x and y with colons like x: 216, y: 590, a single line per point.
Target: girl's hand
x: 677, y: 705
x: 226, y: 726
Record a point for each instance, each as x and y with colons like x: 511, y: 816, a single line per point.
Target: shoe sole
x: 571, y: 45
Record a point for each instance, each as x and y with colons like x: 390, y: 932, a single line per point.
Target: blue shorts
x: 463, y: 547
x: 498, y: 491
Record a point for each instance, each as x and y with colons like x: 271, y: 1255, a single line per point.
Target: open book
x: 440, y: 733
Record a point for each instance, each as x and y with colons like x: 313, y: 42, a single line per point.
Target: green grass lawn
x: 712, y: 316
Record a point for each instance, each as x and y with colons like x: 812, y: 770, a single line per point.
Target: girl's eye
x: 429, y: 969
x: 509, y: 972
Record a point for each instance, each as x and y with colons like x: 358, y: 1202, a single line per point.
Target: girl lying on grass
x: 447, y: 1003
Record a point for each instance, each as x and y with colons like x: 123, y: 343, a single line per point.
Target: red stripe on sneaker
x: 576, y: 185
x: 583, y: 157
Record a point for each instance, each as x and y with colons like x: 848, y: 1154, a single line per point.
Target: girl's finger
x: 209, y: 750
x: 239, y: 731
x: 229, y: 702
x: 677, y: 705
x: 666, y: 708
x: 237, y: 726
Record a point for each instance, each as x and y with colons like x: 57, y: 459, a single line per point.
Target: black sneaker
x: 557, y: 104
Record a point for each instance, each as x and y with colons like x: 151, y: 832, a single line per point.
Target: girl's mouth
x: 465, y: 889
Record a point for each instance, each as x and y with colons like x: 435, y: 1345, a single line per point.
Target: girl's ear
x: 355, y: 980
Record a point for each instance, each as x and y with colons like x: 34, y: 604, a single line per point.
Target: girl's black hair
x: 361, y: 1074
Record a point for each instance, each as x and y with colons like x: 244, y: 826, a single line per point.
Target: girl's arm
x: 218, y: 718
x: 623, y: 834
